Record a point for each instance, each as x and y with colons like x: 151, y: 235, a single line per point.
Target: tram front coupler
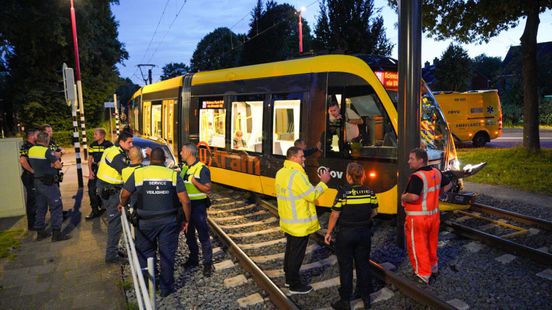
x: 456, y: 195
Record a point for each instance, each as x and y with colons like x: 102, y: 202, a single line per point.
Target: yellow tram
x: 246, y: 118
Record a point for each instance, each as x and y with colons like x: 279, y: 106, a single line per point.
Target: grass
x: 513, y: 167
x: 10, y: 240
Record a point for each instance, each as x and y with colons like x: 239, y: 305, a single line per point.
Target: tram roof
x: 326, y: 63
x: 173, y: 83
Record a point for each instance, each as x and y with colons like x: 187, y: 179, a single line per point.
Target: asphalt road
x: 514, y: 136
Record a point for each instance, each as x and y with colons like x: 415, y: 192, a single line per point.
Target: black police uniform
x: 54, y: 147
x: 353, y: 239
x: 28, y: 181
x: 47, y: 191
x: 95, y: 151
x: 157, y: 205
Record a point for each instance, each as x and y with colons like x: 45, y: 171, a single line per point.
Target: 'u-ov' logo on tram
x: 333, y: 173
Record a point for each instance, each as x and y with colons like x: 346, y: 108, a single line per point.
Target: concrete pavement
x: 62, y: 275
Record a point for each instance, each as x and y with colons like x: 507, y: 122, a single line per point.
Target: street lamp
x: 301, y: 10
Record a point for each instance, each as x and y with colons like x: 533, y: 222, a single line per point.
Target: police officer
x: 421, y: 204
x: 108, y: 186
x: 27, y: 177
x: 298, y: 219
x: 135, y: 158
x: 160, y: 189
x: 355, y: 206
x: 96, y: 151
x: 44, y: 163
x: 197, y: 179
x: 58, y: 151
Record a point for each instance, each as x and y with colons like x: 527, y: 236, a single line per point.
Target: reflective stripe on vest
x: 428, y: 203
x: 107, y: 173
x: 194, y: 171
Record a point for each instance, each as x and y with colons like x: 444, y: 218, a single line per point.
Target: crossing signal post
x: 71, y: 99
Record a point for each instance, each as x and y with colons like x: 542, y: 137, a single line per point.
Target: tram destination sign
x: 213, y: 104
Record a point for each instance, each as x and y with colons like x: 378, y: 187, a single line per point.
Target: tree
x: 217, y: 50
x: 273, y: 34
x: 38, y: 37
x: 478, y: 21
x: 351, y: 26
x: 454, y: 69
x: 174, y: 69
x: 488, y: 66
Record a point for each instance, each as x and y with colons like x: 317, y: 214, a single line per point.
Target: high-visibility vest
x: 193, y: 171
x: 296, y: 197
x: 428, y: 203
x: 38, y: 161
x: 127, y: 172
x: 107, y: 173
x: 156, y: 189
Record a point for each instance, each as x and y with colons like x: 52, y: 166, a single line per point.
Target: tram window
x: 212, y: 122
x: 286, y: 125
x: 358, y: 125
x: 247, y: 131
x: 147, y: 118
x: 156, y: 120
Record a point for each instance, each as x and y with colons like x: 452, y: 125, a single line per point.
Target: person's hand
x: 91, y: 175
x: 184, y: 227
x: 120, y: 208
x: 148, y: 151
x: 58, y: 154
x: 328, y: 238
x: 57, y: 165
x: 325, y: 176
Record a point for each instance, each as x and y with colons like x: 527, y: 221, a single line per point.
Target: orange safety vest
x: 428, y: 203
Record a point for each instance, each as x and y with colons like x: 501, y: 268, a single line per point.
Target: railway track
x: 252, y: 236
x: 513, y: 232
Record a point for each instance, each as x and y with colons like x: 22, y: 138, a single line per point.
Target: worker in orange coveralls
x: 421, y: 204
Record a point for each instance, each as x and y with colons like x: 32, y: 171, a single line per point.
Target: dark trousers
x: 48, y: 196
x: 354, y: 244
x: 30, y: 202
x: 198, y: 222
x: 95, y: 200
x: 147, y: 241
x: 293, y: 258
x: 114, y: 228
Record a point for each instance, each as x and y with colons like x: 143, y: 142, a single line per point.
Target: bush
x: 545, y: 112
x: 64, y: 138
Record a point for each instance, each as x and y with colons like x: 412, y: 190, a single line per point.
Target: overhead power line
x: 170, y: 26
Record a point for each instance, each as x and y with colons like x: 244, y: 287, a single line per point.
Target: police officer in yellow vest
x: 135, y: 157
x: 159, y: 189
x: 197, y: 179
x: 298, y: 219
x: 44, y: 163
x: 27, y: 177
x: 110, y: 182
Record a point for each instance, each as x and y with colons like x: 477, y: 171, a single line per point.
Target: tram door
x: 168, y: 124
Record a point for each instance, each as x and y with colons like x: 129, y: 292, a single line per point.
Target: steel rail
x: 274, y: 292
x: 495, y: 241
x: 407, y: 287
x: 520, y: 218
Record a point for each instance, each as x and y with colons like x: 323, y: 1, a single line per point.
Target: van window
x: 247, y: 123
x: 285, y: 123
x: 212, y: 122
x: 357, y: 124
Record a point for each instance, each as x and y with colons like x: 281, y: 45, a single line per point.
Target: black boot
x: 207, y: 270
x: 94, y: 214
x: 41, y: 234
x: 57, y: 235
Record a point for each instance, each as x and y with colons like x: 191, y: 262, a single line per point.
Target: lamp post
x: 300, y: 25
x: 79, y: 84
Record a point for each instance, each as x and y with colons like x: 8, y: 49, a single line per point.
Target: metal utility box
x: 12, y: 192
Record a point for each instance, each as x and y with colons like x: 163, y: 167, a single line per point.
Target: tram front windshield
x: 434, y: 132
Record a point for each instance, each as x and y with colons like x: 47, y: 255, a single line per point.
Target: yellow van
x: 472, y: 116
